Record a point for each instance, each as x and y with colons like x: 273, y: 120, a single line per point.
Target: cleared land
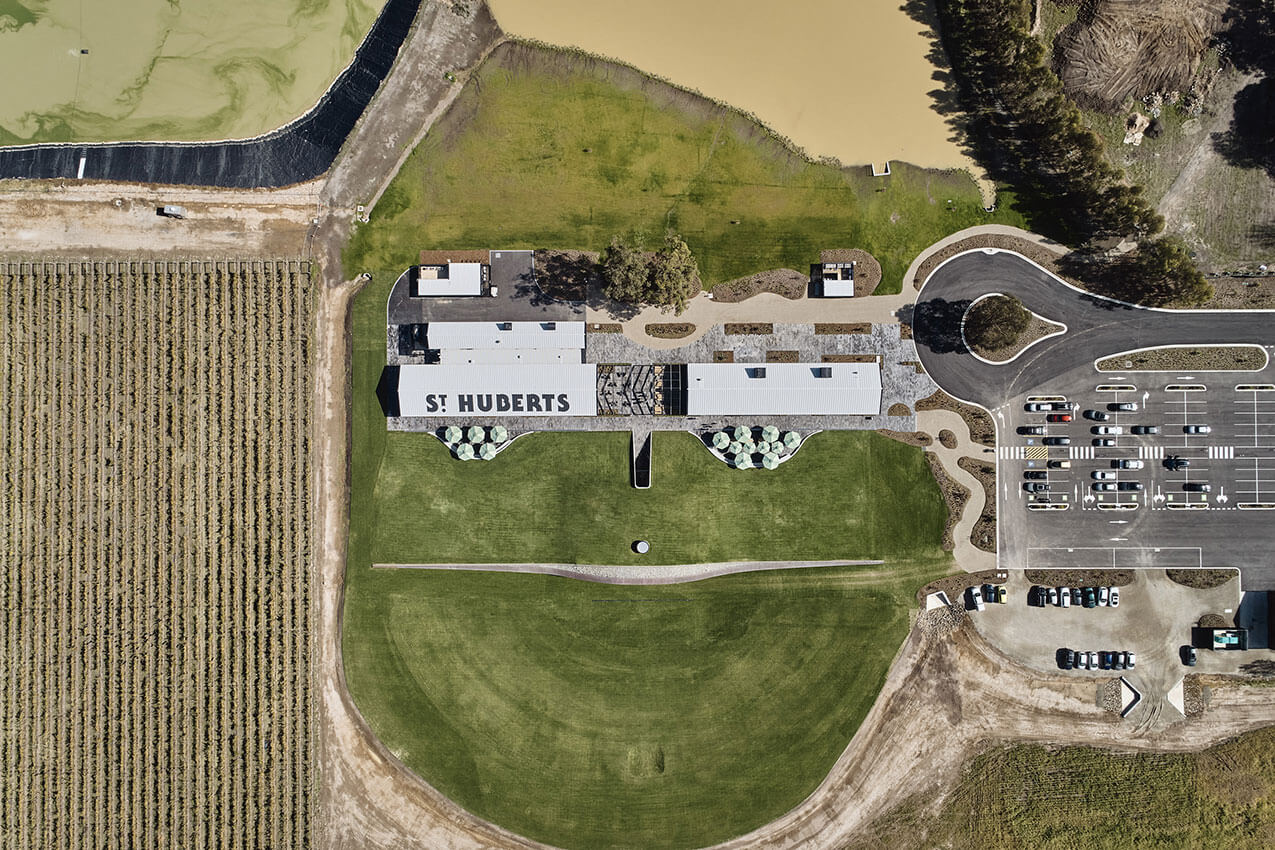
x: 545, y: 149
x: 153, y: 69
x: 670, y: 716
x: 156, y: 585
x: 1032, y: 796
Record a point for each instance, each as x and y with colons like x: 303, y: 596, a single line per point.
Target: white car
x: 1130, y: 464
x: 1104, y: 596
x: 1093, y: 661
x: 1196, y: 429
x: 1053, y: 596
x: 976, y: 596
x: 1064, y: 597
x: 1082, y: 661
x: 1103, y: 475
x: 1108, y: 429
x: 1115, y: 597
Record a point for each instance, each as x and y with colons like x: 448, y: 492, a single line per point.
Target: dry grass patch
x: 912, y: 438
x: 1219, y: 358
x: 955, y: 496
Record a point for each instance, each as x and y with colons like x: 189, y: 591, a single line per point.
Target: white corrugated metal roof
x: 505, y: 335
x: 499, y: 390
x: 495, y: 356
x: 452, y: 279
x: 838, y: 288
x: 739, y: 389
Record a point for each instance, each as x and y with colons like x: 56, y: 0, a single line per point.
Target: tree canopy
x: 668, y: 278
x: 996, y: 322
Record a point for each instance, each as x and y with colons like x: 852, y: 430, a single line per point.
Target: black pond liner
x: 296, y: 153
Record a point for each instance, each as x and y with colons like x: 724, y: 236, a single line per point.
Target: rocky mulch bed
x: 979, y: 421
x: 789, y: 283
x: 1036, y: 331
x: 604, y: 328
x: 1110, y: 697
x: 1080, y: 578
x: 905, y: 330
x: 1248, y: 358
x: 983, y: 534
x: 1201, y: 579
x: 783, y: 356
x: 723, y: 356
x: 912, y: 438
x: 1193, y: 696
x: 748, y: 328
x: 670, y: 330
x: 941, y: 622
x: 899, y: 409
x: 1230, y: 293
x: 867, y: 271
x: 566, y: 275
x: 1028, y: 249
x: 1215, y: 621
x: 954, y: 495
x: 850, y: 358
x: 947, y: 439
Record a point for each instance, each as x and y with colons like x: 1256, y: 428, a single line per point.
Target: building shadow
x: 387, y: 391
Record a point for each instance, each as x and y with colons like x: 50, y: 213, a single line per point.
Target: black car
x: 1145, y: 429
x: 1175, y: 463
x: 1035, y: 486
x: 1057, y: 441
x: 1076, y: 596
x: 1096, y: 415
x: 1091, y: 598
x: 1197, y: 487
x: 1066, y: 658
x: 1117, y: 661
x: 1130, y: 485
x: 1036, y: 596
x: 1036, y: 475
x: 1188, y: 655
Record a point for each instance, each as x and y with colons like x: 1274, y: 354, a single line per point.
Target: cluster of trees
x: 669, y: 277
x: 996, y: 322
x: 1028, y: 132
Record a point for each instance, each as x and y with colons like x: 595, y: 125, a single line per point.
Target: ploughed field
x: 154, y: 650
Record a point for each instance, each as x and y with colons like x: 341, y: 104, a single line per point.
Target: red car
x: 1058, y: 417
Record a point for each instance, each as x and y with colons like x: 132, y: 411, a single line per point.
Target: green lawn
x: 546, y: 149
x: 593, y: 716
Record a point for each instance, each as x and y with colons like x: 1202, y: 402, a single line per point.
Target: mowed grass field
x: 547, y: 149
x: 1075, y: 797
x: 593, y: 716
x: 589, y: 715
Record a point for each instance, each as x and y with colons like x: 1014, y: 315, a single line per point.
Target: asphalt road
x: 1152, y: 527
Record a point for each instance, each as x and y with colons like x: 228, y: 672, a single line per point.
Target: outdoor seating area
x: 474, y: 441
x: 753, y: 447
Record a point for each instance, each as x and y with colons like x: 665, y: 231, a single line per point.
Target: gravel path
x: 635, y: 573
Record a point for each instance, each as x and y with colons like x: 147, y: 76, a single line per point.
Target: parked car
x: 1064, y: 405
x: 1117, y: 661
x: 1104, y: 597
x: 1128, y: 464
x: 1036, y: 475
x: 1058, y: 417
x: 1115, y: 597
x: 1059, y: 464
x: 1002, y: 595
x: 1196, y: 429
x: 976, y: 598
x: 1076, y: 596
x: 1123, y: 407
x: 1104, y: 660
x: 1093, y: 660
x: 1096, y: 415
x: 1104, y: 441
x: 1090, y: 598
x: 1103, y: 475
x: 1104, y: 485
x: 1066, y: 658
x: 1188, y: 655
x: 1130, y: 658
x: 1035, y: 407
x: 1052, y: 596
x: 1130, y: 485
x: 1197, y: 487
x: 1064, y: 597
x: 1175, y: 463
x: 1057, y: 441
x: 1029, y: 430
x: 1036, y: 486
x: 1081, y: 661
x: 1107, y: 429
x: 1145, y: 429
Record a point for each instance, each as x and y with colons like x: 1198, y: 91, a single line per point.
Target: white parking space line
x: 1255, y: 480
x: 1167, y: 556
x: 1255, y: 417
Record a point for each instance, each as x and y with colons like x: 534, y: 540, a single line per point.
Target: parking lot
x: 1186, y: 478
x: 1153, y: 621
